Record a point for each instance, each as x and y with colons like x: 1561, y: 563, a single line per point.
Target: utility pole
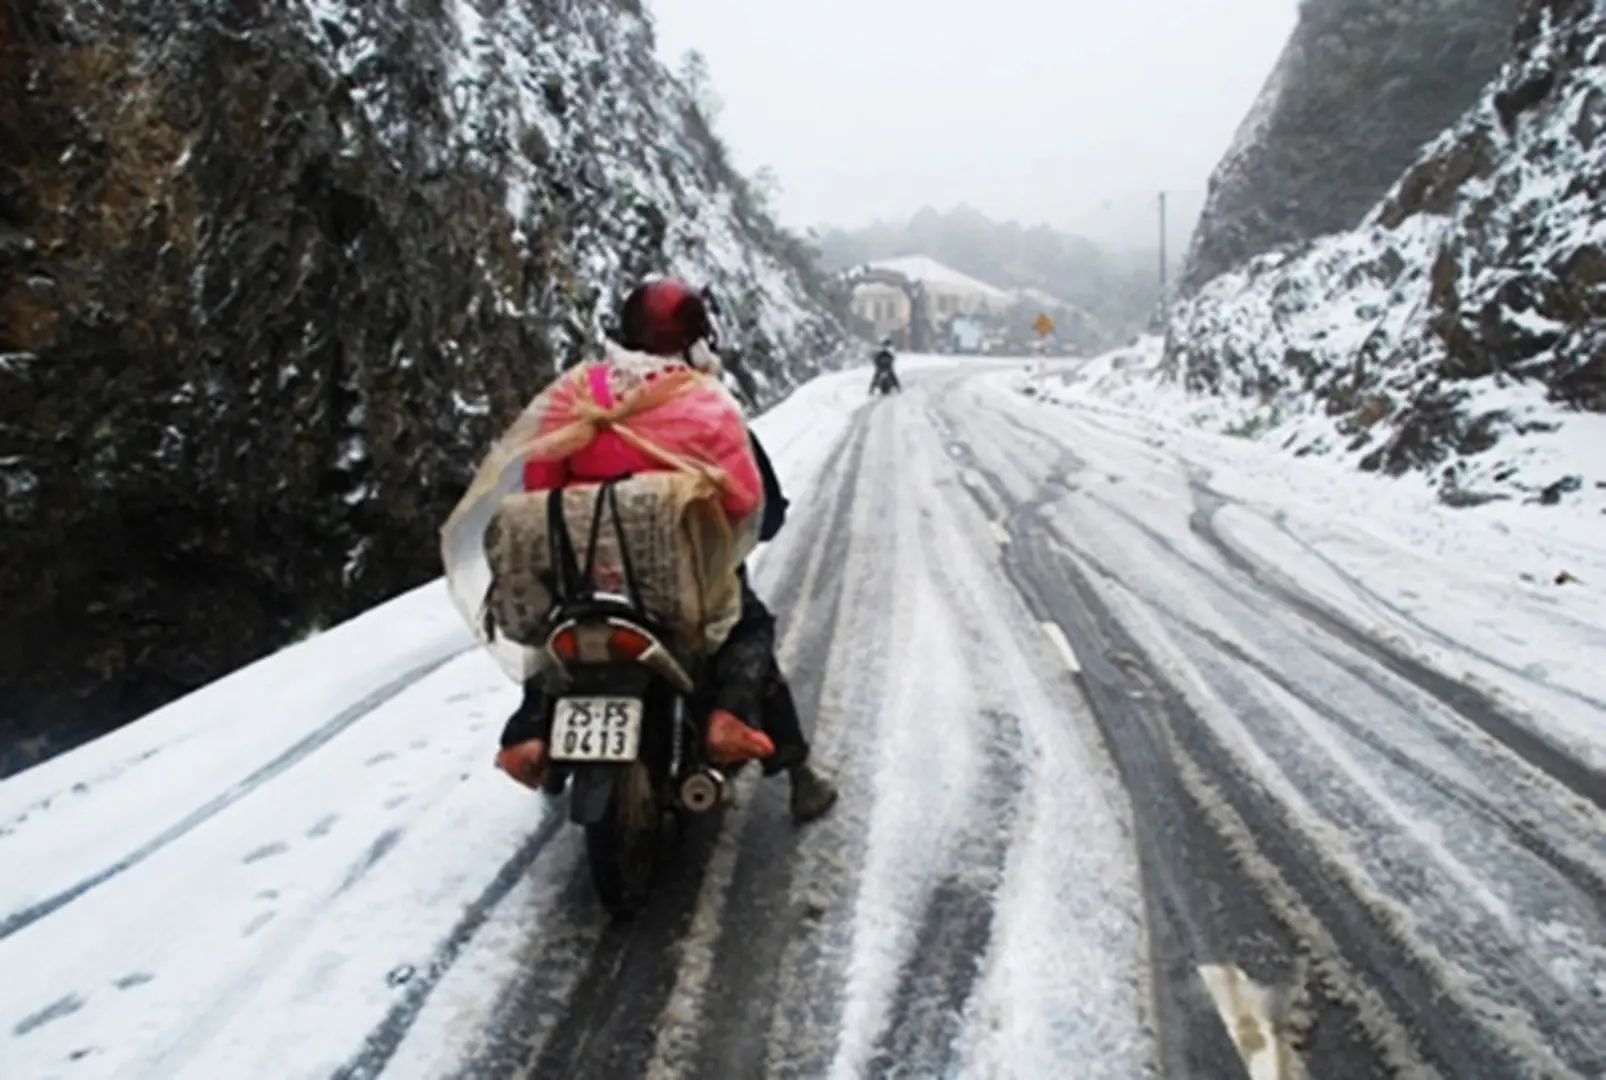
x: 1162, y: 247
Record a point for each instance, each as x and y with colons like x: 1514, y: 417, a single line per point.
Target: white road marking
x: 1057, y: 637
x: 1245, y: 1009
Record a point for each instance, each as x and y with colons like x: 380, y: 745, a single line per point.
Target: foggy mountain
x: 1119, y: 289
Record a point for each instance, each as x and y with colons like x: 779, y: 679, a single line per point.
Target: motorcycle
x: 884, y: 382
x: 627, y: 730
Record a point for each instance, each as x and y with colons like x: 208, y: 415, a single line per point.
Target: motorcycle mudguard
x: 590, y: 792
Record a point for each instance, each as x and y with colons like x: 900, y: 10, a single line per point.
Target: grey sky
x: 1073, y: 112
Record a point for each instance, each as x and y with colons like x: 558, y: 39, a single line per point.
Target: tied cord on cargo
x: 591, y: 418
x: 575, y: 398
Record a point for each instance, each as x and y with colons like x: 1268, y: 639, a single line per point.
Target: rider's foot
x: 731, y: 741
x: 525, y: 762
x: 812, y: 794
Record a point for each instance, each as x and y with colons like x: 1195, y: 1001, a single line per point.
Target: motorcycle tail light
x: 627, y: 644
x: 565, y: 645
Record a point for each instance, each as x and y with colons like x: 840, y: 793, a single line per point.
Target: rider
x: 883, y: 359
x: 753, y: 713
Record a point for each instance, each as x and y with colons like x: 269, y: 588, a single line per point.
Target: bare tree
x: 694, y: 76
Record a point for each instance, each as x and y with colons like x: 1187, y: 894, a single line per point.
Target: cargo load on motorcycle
x: 596, y: 554
x: 671, y: 533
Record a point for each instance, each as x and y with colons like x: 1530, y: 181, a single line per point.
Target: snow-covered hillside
x: 1359, y: 87
x: 1460, y: 333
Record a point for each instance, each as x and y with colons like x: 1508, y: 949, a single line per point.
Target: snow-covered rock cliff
x: 1460, y: 331
x: 271, y: 275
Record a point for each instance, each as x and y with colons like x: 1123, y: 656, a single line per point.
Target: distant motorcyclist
x: 753, y: 713
x: 885, y: 374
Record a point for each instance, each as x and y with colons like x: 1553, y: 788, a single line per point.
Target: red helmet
x: 664, y: 317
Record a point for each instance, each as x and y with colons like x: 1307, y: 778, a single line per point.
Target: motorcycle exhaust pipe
x: 702, y: 790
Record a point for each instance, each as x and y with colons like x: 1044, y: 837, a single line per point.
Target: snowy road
x: 1122, y: 776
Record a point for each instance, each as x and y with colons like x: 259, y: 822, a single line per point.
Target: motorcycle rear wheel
x: 622, y: 848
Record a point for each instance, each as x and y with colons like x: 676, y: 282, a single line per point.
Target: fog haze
x: 1070, y: 112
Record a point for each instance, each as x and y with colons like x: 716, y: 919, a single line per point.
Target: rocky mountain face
x: 271, y: 275
x: 1460, y: 331
x: 1359, y: 88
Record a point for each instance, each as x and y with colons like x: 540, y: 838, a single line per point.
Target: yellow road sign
x: 1044, y: 325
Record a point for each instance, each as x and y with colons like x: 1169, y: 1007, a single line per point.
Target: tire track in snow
x: 607, y: 1028
x: 381, y: 1043
x: 926, y: 1017
x: 1538, y: 1016
x: 1422, y: 889
x: 774, y: 899
x: 1211, y: 894
x: 20, y: 920
x: 929, y: 881
x: 1468, y: 703
x: 1222, y: 874
x: 224, y: 1004
x: 600, y: 1022
x: 1365, y: 592
x: 1588, y: 879
x: 1186, y: 868
x: 1286, y: 868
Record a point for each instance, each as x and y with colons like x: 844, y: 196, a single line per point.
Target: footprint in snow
x: 322, y: 827
x: 395, y: 801
x: 266, y: 851
x: 258, y: 921
x: 379, y: 759
x: 54, y: 1011
x: 133, y: 979
x: 459, y: 697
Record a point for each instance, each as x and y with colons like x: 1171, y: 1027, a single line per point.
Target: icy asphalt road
x: 1119, y: 799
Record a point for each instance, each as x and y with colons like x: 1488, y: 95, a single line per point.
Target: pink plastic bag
x: 665, y: 416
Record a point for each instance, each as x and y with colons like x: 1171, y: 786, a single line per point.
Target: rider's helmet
x: 665, y: 317
x: 886, y: 343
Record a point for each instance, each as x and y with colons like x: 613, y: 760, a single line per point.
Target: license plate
x: 596, y: 729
